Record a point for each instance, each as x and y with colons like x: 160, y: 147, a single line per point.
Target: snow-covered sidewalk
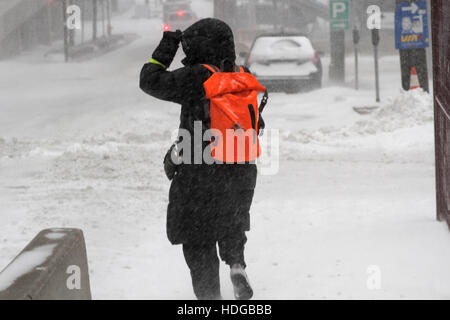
x: 81, y: 146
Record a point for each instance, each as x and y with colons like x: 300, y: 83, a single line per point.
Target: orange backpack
x: 234, y: 114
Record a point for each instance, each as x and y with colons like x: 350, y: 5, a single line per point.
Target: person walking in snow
x: 209, y: 204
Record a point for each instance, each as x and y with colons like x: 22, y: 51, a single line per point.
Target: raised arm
x: 156, y: 81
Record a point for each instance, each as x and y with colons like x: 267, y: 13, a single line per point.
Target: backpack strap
x: 261, y: 123
x: 206, y: 103
x: 239, y: 69
x: 214, y: 69
x: 211, y: 68
x: 264, y: 100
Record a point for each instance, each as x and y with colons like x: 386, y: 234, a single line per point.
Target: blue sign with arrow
x: 411, y: 25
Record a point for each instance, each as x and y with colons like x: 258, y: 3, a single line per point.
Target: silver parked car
x: 284, y: 62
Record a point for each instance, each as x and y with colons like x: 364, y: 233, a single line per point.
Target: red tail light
x: 316, y: 58
x: 180, y: 13
x: 166, y: 27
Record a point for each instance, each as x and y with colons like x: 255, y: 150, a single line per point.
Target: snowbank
x: 400, y: 130
x: 409, y: 109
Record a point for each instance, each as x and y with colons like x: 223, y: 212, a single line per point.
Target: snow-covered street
x: 82, y: 146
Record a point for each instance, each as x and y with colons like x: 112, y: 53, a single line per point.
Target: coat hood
x: 208, y: 41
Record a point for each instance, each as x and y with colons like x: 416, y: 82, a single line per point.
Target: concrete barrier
x: 53, y: 266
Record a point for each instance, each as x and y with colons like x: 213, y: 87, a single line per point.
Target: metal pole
x: 356, y: 68
x: 375, y: 43
x: 66, y: 35
x: 356, y: 39
x: 377, y: 77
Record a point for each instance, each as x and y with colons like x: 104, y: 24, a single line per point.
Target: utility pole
x: 94, y: 19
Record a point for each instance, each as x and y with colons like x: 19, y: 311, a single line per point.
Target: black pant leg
x: 203, y: 263
x: 231, y: 248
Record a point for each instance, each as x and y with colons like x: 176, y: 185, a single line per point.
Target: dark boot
x: 241, y: 284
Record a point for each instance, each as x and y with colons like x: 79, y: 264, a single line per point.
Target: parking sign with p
x: 339, y: 15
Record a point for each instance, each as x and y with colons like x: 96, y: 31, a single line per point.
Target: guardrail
x: 53, y: 266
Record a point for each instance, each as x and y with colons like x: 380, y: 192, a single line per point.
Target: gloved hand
x: 175, y: 35
x: 168, y: 46
x: 170, y: 168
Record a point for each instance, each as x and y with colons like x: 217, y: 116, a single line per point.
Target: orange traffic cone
x: 414, y: 82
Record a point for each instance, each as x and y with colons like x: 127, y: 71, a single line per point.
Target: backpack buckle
x: 237, y: 126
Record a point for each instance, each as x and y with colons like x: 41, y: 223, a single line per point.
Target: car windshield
x: 278, y: 48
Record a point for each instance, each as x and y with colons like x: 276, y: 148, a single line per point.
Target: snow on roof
x: 281, y: 48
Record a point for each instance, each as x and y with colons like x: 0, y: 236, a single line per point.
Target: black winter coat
x: 206, y: 202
